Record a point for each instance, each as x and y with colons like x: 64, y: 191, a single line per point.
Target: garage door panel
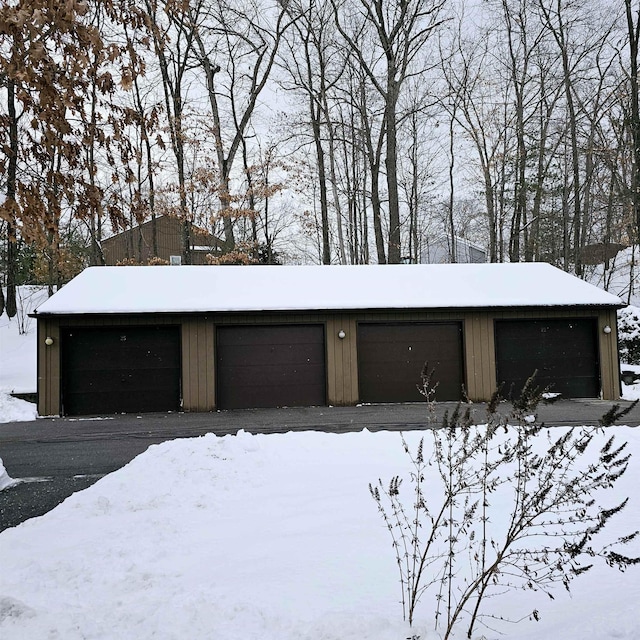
x: 109, y: 368
x: 307, y: 372
x: 121, y: 380
x: 268, y: 336
x: 142, y: 402
x: 270, y: 366
x: 248, y: 355
x: 564, y: 352
x: 122, y: 369
x: 391, y: 357
x: 263, y: 385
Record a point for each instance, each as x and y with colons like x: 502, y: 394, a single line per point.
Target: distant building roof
x: 185, y: 289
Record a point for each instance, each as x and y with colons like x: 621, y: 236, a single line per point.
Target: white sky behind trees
x: 466, y: 70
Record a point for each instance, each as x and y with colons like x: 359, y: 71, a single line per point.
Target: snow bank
x: 270, y: 537
x: 18, y: 356
x: 5, y: 481
x: 16, y: 410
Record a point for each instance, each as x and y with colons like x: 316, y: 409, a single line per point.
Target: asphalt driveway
x: 54, y: 457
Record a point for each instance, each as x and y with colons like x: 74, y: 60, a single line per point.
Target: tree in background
x: 236, y: 48
x: 396, y: 34
x: 633, y: 115
x: 323, y: 130
x: 56, y: 61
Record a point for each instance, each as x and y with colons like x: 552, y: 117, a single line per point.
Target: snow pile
x: 629, y: 344
x: 631, y: 391
x: 5, y: 481
x: 16, y: 410
x: 271, y: 537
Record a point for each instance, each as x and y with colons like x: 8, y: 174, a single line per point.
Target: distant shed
x: 199, y: 338
x: 439, y: 250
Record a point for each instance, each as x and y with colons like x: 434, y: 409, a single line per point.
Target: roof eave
x: 461, y: 309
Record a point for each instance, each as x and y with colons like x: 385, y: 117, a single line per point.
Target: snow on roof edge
x: 282, y: 309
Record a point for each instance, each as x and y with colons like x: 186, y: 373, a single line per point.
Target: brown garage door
x: 391, y: 357
x: 270, y: 366
x: 120, y: 370
x: 564, y: 352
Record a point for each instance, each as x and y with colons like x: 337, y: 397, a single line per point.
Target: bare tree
x: 480, y: 110
x: 397, y: 32
x: 558, y: 18
x: 314, y: 75
x: 522, y: 41
x: 237, y: 44
x: 173, y: 46
x: 633, y: 34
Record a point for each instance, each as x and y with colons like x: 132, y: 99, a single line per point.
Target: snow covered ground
x: 18, y: 357
x: 269, y: 537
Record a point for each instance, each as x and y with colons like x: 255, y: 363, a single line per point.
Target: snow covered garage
x: 198, y: 338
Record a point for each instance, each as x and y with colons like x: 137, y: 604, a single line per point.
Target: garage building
x: 199, y: 338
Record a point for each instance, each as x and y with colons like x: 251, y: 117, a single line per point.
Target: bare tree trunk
x: 452, y: 163
x: 558, y: 30
x: 412, y: 190
x: 258, y: 44
x: 373, y: 155
x: 144, y: 135
x: 544, y: 158
x: 334, y: 186
x: 12, y: 240
x: 224, y: 196
x: 394, y: 254
x: 518, y: 72
x: 633, y: 30
x: 172, y: 86
x: 322, y: 180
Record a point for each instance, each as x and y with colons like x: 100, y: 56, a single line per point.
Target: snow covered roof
x: 185, y: 289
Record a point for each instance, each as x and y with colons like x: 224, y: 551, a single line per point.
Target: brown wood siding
x: 478, y: 348
x: 342, y: 360
x: 198, y: 364
x: 609, y: 355
x: 137, y: 243
x: 48, y: 369
x: 198, y: 348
